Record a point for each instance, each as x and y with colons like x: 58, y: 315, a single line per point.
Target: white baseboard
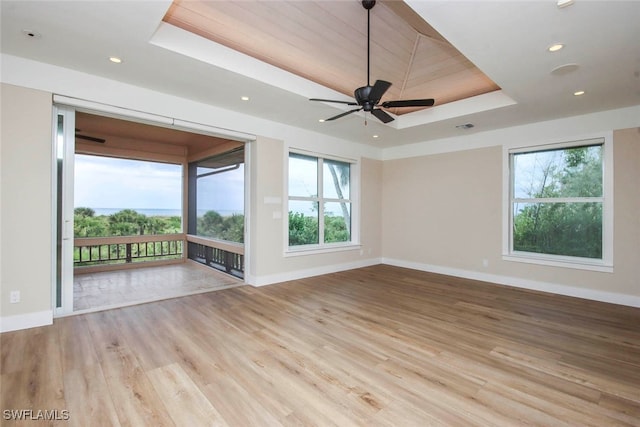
x: 301, y: 274
x: 554, y: 288
x: 26, y: 321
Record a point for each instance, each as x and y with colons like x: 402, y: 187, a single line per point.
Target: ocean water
x: 159, y: 212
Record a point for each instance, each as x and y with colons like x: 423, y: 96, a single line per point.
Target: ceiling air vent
x: 465, y: 126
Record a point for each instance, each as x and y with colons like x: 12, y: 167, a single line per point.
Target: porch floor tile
x: 95, y: 291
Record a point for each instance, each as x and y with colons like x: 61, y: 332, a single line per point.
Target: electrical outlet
x: 485, y: 262
x: 14, y: 297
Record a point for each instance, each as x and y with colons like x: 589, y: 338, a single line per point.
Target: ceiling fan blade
x: 378, y: 89
x: 91, y: 138
x: 343, y: 114
x: 409, y: 103
x: 381, y: 115
x: 333, y: 100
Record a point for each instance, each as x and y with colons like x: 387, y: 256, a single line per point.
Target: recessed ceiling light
x: 555, y: 47
x: 115, y: 60
x: 578, y: 93
x: 375, y: 136
x: 244, y: 98
x: 564, y: 3
x: 321, y: 120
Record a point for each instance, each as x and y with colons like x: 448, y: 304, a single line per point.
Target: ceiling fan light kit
x: 368, y: 97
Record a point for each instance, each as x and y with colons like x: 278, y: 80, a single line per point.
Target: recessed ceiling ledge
x: 477, y: 104
x: 183, y: 42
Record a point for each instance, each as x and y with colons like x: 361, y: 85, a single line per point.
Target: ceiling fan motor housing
x: 362, y: 98
x: 368, y: 4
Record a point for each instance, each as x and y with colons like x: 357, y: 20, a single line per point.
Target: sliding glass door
x: 64, y: 149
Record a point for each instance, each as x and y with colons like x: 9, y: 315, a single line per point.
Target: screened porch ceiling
x: 129, y: 139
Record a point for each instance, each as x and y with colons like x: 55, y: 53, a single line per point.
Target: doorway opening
x: 131, y: 222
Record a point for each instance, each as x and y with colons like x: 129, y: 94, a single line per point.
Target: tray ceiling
x: 326, y: 42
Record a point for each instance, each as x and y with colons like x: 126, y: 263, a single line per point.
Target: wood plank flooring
x: 378, y: 346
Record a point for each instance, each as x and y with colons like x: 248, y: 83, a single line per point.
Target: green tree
x: 89, y: 226
x: 85, y: 224
x: 209, y: 224
x: 127, y: 222
x: 233, y: 228
x: 303, y: 230
x: 335, y: 229
x: 156, y: 225
x: 230, y: 228
x: 173, y: 225
x: 124, y: 223
x: 84, y: 212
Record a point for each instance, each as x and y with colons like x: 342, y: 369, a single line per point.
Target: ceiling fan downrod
x: 368, y: 4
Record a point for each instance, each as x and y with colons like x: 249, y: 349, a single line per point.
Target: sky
x: 223, y: 193
x: 106, y: 182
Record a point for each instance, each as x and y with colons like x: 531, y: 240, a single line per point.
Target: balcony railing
x: 93, y: 254
x: 220, y: 254
x: 99, y: 251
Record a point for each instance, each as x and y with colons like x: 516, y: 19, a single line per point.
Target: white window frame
x: 508, y: 254
x: 354, y: 199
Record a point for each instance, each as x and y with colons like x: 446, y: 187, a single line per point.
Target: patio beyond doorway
x: 111, y: 289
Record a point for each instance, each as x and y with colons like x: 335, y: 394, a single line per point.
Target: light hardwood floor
x: 374, y: 346
x: 134, y: 286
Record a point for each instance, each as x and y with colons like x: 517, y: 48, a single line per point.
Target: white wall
x: 26, y: 206
x: 443, y: 213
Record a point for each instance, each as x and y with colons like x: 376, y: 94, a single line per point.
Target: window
x: 320, y: 201
x: 557, y: 204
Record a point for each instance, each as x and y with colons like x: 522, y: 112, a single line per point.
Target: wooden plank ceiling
x: 326, y: 42
x: 107, y: 136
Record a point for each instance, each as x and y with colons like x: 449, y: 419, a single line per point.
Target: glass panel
x: 336, y: 178
x: 303, y: 222
x: 220, y: 205
x: 337, y: 222
x: 568, y: 172
x: 570, y: 229
x: 303, y: 175
x: 59, y: 207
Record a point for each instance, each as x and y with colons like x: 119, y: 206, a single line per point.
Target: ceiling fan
x: 368, y: 97
x: 89, y: 138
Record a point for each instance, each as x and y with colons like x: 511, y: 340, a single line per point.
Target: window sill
x: 315, y: 249
x: 575, y: 263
